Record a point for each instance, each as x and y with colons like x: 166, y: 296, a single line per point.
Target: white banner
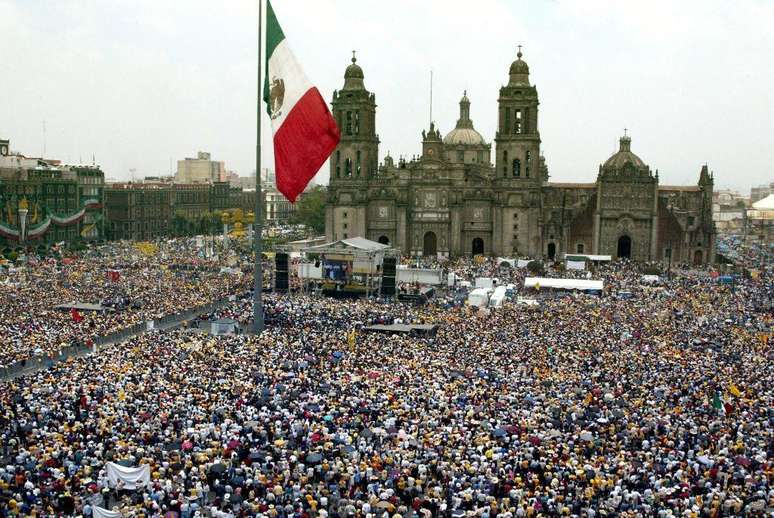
x: 131, y: 477
x: 522, y: 263
x: 576, y: 265
x: 98, y: 512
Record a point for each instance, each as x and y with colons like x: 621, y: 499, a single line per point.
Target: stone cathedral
x: 458, y: 198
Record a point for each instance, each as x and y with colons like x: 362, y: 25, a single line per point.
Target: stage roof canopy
x: 350, y: 245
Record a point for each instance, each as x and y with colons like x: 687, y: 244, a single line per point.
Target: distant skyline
x: 142, y: 84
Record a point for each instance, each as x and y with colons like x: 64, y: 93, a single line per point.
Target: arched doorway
x: 384, y: 240
x: 551, y: 250
x: 478, y: 246
x: 624, y: 247
x: 698, y: 257
x: 431, y: 244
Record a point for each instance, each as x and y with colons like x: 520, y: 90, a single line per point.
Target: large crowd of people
x: 134, y: 285
x: 660, y: 403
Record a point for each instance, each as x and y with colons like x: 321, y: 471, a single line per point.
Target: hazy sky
x: 141, y: 83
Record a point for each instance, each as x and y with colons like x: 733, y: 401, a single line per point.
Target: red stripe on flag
x: 305, y: 140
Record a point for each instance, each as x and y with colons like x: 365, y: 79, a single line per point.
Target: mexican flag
x: 305, y: 133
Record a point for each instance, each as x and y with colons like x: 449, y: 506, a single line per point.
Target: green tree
x: 179, y: 223
x: 535, y: 268
x: 310, y: 209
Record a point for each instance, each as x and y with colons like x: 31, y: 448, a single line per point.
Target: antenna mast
x: 431, y: 96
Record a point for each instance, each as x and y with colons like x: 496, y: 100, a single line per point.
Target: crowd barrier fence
x: 36, y: 363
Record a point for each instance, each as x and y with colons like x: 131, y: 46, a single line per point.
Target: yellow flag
x: 734, y: 390
x: 352, y: 338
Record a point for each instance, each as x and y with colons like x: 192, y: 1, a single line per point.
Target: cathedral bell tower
x: 354, y: 108
x: 517, y: 142
x: 355, y: 159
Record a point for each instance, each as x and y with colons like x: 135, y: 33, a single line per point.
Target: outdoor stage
x: 348, y: 268
x: 412, y: 329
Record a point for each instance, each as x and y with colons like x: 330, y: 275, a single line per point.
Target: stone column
x: 654, y: 226
x: 456, y: 230
x: 329, y: 222
x: 402, y: 239
x: 595, y: 246
x: 362, y: 222
x: 497, y: 230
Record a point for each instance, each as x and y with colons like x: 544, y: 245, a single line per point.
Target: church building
x: 461, y: 197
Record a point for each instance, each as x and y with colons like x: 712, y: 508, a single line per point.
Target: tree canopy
x: 310, y: 209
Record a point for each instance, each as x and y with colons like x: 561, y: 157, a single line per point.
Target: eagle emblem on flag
x: 276, y: 96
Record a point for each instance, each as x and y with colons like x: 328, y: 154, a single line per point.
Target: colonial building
x: 459, y: 199
x: 44, y: 201
x: 148, y: 210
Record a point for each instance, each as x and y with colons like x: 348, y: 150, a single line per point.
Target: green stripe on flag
x: 274, y: 36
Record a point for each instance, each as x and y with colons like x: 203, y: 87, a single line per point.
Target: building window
x: 357, y: 122
x: 345, y: 235
x: 528, y: 164
x: 338, y: 163
x: 460, y: 156
x: 515, y: 226
x: 505, y: 163
x: 480, y: 156
x: 357, y: 163
x: 345, y: 226
x: 348, y: 167
x: 349, y: 123
x: 344, y: 215
x: 690, y: 220
x: 517, y: 123
x: 579, y: 248
x: 507, y: 128
x: 516, y: 168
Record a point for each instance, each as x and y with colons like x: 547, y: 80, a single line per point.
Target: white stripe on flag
x: 283, y: 65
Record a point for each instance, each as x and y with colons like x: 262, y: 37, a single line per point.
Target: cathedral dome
x: 519, y: 72
x: 519, y: 66
x: 353, y: 71
x: 353, y: 76
x: 624, y: 156
x: 463, y: 133
x: 464, y: 136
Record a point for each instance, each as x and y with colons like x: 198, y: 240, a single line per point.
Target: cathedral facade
x: 461, y: 197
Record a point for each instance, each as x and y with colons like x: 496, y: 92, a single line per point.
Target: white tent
x: 421, y: 275
x: 766, y: 203
x: 497, y: 297
x: 563, y: 284
x: 479, y: 297
x: 486, y: 282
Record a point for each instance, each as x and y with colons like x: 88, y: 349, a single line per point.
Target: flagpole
x: 258, y: 224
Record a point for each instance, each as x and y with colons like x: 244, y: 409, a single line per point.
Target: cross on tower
x: 353, y: 56
x: 518, y: 54
x: 625, y: 134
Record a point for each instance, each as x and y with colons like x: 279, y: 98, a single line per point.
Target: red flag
x: 305, y: 132
x: 77, y: 317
